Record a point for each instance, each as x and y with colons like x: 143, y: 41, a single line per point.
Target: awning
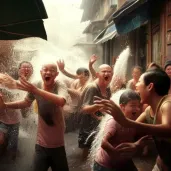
x: 107, y: 34
x: 131, y: 15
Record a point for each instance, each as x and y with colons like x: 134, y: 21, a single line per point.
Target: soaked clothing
x: 119, y: 135
x: 49, y: 151
x: 50, y: 157
x: 88, y: 123
x: 149, y: 118
x: 51, y: 126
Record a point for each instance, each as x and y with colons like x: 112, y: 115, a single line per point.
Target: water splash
x: 120, y: 70
x: 63, y: 32
x: 119, y: 78
x: 98, y: 139
x: 7, y: 82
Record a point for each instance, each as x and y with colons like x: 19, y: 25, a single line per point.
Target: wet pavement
x: 73, y: 155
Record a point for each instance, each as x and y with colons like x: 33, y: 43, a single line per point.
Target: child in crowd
x: 107, y: 158
x: 51, y: 96
x: 136, y: 73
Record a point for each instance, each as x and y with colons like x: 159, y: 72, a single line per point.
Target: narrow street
x: 73, y: 153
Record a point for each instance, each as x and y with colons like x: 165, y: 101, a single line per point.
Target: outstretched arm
x: 57, y: 99
x: 61, y: 66
x: 14, y: 105
x: 163, y: 129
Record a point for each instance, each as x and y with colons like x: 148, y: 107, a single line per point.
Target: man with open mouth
x: 90, y: 112
x: 51, y: 95
x: 153, y: 87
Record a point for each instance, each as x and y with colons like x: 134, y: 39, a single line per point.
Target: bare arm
x: 18, y: 104
x: 91, y: 109
x: 69, y: 74
x: 61, y: 66
x: 57, y: 99
x: 92, y: 60
x: 163, y: 129
x: 141, y: 118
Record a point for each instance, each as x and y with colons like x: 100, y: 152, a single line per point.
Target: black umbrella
x: 21, y: 19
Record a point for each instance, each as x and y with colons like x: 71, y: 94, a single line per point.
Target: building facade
x: 102, y: 32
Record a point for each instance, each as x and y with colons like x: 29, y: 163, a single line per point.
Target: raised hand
x: 61, y: 64
x: 93, y: 59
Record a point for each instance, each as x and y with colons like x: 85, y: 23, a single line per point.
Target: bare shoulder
x: 166, y: 106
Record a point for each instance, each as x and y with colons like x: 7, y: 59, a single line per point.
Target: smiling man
x: 51, y: 95
x: 90, y: 112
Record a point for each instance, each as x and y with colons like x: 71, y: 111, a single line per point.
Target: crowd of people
x: 142, y: 117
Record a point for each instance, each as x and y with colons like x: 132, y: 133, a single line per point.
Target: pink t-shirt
x: 50, y: 136
x: 121, y: 135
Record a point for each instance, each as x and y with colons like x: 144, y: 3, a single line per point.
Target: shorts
x: 50, y: 157
x: 11, y: 135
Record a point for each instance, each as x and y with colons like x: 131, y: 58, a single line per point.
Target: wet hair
x: 83, y: 70
x: 127, y: 96
x: 160, y: 80
x: 23, y: 62
x: 153, y: 65
x: 138, y: 67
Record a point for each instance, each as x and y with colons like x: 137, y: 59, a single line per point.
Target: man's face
x: 105, y: 75
x: 168, y: 71
x: 49, y: 73
x: 82, y: 77
x: 25, y: 71
x: 142, y: 90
